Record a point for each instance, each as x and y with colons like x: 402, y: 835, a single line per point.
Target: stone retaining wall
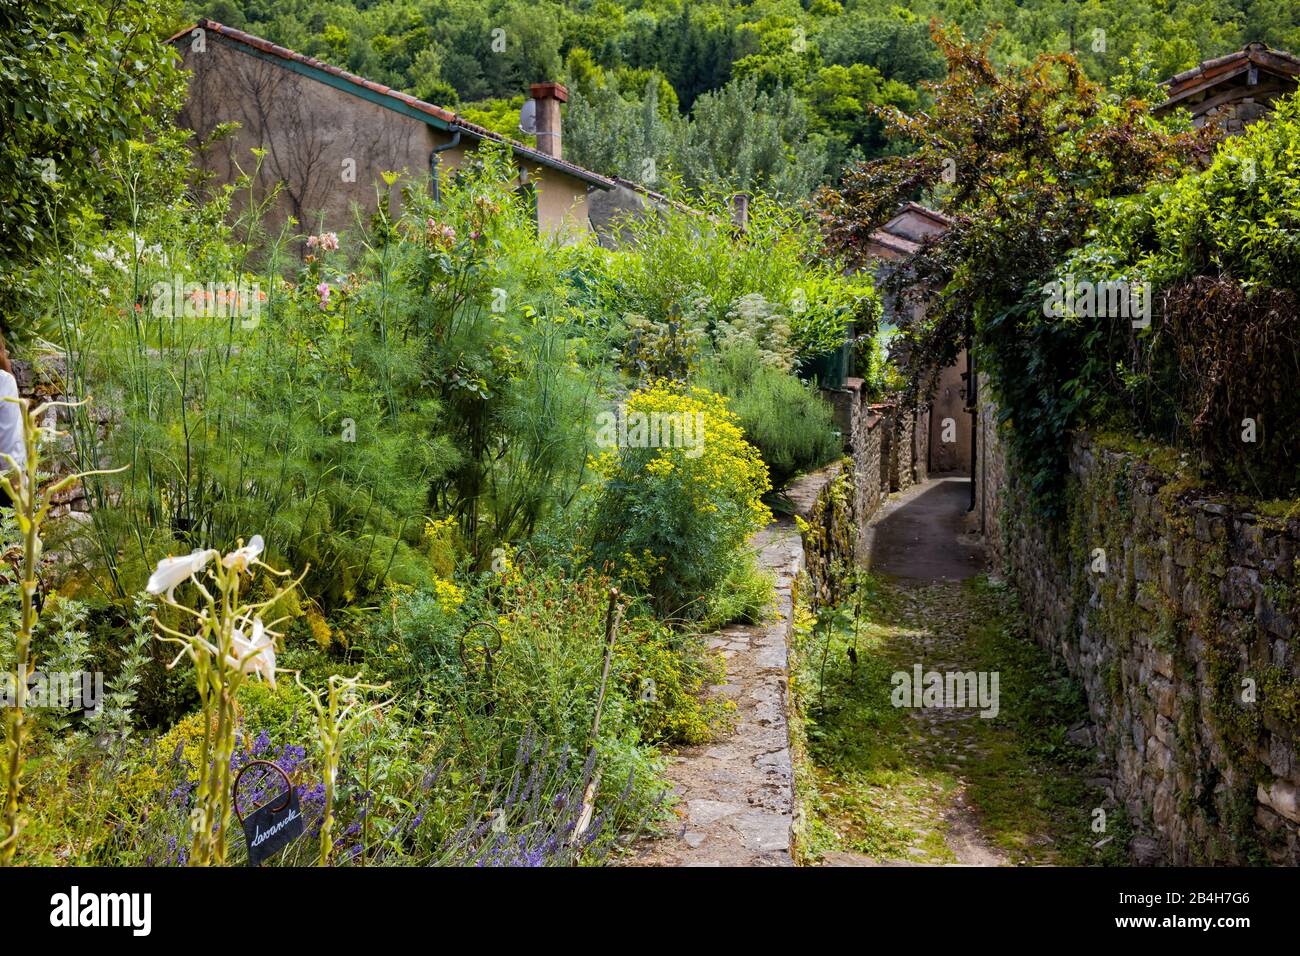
x: 1179, y: 613
x: 889, y: 448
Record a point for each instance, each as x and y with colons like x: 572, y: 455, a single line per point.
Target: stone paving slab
x: 736, y: 795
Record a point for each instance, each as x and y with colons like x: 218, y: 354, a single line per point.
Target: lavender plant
x: 339, y: 713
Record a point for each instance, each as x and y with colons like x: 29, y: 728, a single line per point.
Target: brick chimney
x: 548, y: 97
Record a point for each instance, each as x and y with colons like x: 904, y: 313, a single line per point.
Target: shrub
x: 826, y: 307
x: 754, y: 320
x: 1218, y: 247
x: 746, y: 596
x: 552, y: 649
x: 880, y: 376
x: 673, y: 520
x: 682, y: 278
x: 792, y: 426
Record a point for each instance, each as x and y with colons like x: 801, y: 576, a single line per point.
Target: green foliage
x: 787, y: 420
x: 690, y: 279
x: 1236, y: 217
x: 80, y: 82
x: 880, y: 376
x: 498, y: 345
x: 1217, y: 247
x: 827, y: 307
x: 770, y: 96
x: 673, y: 516
x: 742, y: 138
x: 378, y: 386
x: 744, y: 597
x: 548, y: 671
x: 1036, y: 148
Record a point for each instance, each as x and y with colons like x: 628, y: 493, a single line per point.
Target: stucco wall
x: 949, y: 404
x: 328, y: 146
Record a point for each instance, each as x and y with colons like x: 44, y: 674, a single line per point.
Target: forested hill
x: 765, y: 95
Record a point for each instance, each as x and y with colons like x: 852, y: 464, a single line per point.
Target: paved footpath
x: 919, y: 541
x: 736, y: 795
x: 919, y: 536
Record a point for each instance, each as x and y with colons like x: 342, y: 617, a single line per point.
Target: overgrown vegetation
x: 481, y: 492
x: 1180, y: 325
x: 496, y: 605
x: 1214, y: 372
x: 884, y: 782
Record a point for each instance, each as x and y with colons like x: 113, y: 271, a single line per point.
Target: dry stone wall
x: 1179, y: 612
x: 887, y: 445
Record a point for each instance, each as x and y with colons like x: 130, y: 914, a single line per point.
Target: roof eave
x: 385, y: 97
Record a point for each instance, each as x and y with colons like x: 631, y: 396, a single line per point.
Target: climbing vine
x: 1021, y: 159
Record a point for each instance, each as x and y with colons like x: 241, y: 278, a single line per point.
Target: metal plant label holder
x: 269, y: 828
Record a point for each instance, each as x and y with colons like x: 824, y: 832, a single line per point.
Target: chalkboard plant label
x: 272, y: 827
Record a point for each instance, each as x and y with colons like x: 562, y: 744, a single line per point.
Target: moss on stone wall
x: 1197, y: 605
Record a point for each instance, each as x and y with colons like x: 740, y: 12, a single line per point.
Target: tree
x: 898, y: 48
x: 840, y: 99
x: 741, y: 138
x: 1022, y: 159
x: 78, y: 81
x: 605, y: 132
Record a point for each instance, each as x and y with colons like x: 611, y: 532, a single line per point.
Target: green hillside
x: 766, y: 95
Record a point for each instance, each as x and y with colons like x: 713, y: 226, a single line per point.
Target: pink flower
x: 323, y: 290
x: 440, y: 234
x: 326, y: 242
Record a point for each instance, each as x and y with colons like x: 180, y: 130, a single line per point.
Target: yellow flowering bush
x: 440, y: 539
x: 450, y: 596
x: 320, y: 629
x: 681, y: 490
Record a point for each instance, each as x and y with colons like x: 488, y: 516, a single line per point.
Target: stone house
x: 1233, y: 90
x: 950, y: 445
x: 329, y: 134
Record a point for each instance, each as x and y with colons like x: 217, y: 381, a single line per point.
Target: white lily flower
x: 241, y: 558
x: 255, y: 654
x: 174, y: 571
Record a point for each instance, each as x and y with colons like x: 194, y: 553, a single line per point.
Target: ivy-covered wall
x: 826, y: 513
x: 1178, y: 611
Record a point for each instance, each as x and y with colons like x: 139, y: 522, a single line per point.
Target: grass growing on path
x: 941, y: 785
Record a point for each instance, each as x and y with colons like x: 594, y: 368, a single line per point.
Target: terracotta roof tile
x: 1224, y: 67
x: 446, y: 116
